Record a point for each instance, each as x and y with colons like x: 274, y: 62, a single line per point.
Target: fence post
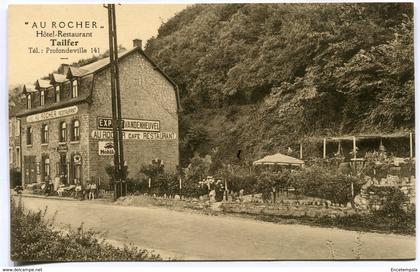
x: 180, y: 187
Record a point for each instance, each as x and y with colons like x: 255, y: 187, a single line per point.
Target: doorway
x: 29, y: 163
x: 63, y: 168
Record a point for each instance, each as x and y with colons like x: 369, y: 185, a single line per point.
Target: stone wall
x: 373, y: 194
x: 292, y: 209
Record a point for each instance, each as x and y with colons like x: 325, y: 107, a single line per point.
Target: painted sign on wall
x: 106, y: 148
x: 130, y: 124
x: 52, y: 114
x: 127, y: 135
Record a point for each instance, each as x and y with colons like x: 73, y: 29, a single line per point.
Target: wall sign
x: 77, y: 159
x: 63, y: 148
x: 52, y: 114
x: 130, y: 124
x: 128, y: 135
x: 106, y: 148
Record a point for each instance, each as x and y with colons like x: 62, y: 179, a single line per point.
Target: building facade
x: 14, y: 144
x: 66, y: 128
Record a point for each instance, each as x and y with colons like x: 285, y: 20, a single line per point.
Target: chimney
x: 137, y: 43
x: 64, y: 68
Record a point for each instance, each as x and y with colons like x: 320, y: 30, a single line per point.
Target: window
x: 63, y: 132
x: 76, y: 130
x: 29, y: 135
x: 18, y: 157
x: 17, y: 128
x: 57, y: 93
x: 42, y: 99
x: 44, y: 134
x: 29, y: 101
x: 75, y: 89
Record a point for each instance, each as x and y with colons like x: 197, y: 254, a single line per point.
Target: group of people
x: 80, y: 191
x: 215, y: 188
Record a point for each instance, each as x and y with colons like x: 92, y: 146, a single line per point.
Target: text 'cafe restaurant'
x: 66, y: 127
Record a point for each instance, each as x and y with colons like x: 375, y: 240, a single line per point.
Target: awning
x: 278, y: 159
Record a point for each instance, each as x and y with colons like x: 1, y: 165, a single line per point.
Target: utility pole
x: 120, y: 185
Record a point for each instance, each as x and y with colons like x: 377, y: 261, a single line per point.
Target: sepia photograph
x: 211, y: 132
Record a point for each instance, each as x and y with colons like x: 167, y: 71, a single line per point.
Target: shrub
x: 323, y: 182
x: 33, y: 239
x: 394, y: 201
x: 193, y: 189
x: 246, y: 183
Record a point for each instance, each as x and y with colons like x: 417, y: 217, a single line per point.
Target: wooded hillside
x: 260, y: 77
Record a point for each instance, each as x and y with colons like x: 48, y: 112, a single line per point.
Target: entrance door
x: 29, y: 164
x: 63, y: 168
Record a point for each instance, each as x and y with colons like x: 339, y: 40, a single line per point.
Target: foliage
x: 152, y: 170
x: 394, y: 201
x: 242, y: 182
x: 110, y: 171
x: 327, y: 183
x: 34, y: 239
x: 379, y: 165
x: 192, y: 136
x: 293, y: 69
x: 198, y: 168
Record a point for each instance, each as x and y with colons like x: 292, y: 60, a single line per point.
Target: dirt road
x: 200, y: 237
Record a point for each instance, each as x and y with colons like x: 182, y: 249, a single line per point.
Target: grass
x: 34, y: 239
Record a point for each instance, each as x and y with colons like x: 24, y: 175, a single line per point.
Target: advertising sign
x: 129, y: 135
x: 130, y: 124
x: 62, y: 148
x: 106, y: 148
x: 52, y: 114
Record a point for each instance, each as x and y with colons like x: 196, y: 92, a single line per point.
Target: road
x: 190, y: 236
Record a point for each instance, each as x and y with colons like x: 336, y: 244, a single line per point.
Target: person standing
x: 56, y: 183
x: 47, y: 188
x: 93, y: 190
x: 89, y: 190
x: 78, y: 190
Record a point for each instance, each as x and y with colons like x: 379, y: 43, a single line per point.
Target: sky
x: 139, y: 21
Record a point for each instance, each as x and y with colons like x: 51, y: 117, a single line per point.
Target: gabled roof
x: 42, y: 84
x: 57, y: 78
x: 279, y: 159
x: 75, y: 72
x: 104, y: 63
x: 89, y: 70
x: 28, y: 88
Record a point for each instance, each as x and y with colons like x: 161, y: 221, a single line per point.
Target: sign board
x: 130, y: 124
x: 127, y: 135
x: 77, y: 159
x: 63, y: 148
x: 52, y: 114
x: 106, y: 148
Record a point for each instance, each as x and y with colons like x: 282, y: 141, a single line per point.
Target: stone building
x: 66, y: 128
x: 14, y: 143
